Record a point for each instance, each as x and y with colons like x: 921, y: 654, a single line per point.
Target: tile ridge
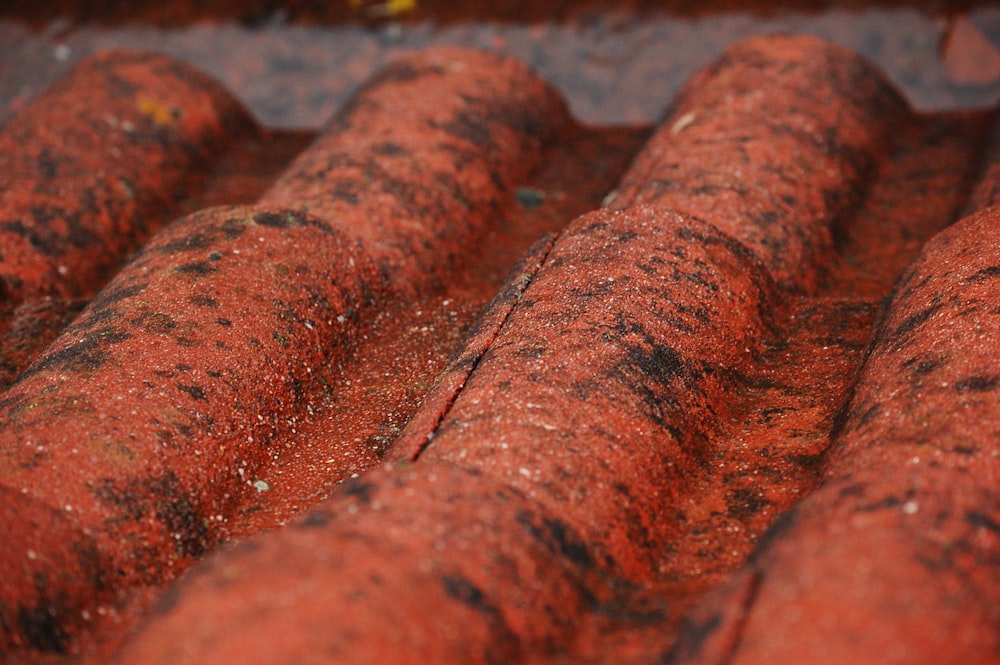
x: 654, y: 383
x: 901, y: 495
x: 223, y: 330
x: 423, y: 426
x: 560, y: 467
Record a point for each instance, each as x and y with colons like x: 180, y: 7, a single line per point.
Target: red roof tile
x: 653, y: 385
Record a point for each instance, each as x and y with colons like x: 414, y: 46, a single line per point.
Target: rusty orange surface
x: 456, y: 378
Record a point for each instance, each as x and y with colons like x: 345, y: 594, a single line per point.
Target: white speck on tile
x: 683, y: 122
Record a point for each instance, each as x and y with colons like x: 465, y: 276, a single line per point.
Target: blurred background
x: 294, y: 63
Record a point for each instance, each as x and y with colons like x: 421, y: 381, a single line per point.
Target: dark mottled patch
x: 463, y: 590
x: 697, y: 231
x: 48, y: 163
x: 869, y: 414
x: 658, y: 362
x: 559, y: 538
x: 388, y: 148
x: 87, y: 355
x: 48, y: 623
x: 785, y: 522
x: 806, y: 461
x: 982, y: 520
x: 196, y: 268
x: 362, y: 491
x: 282, y: 339
x: 282, y: 221
x: 233, y: 228
x: 45, y: 232
x: 115, y: 293
x: 347, y: 192
x: 766, y: 414
x: 626, y: 609
x: 157, y: 323
x: 985, y: 274
x: 914, y: 320
x: 505, y: 645
x: 697, y: 277
x: 768, y: 218
x: 204, y: 301
x: 169, y: 501
x: 316, y: 519
x: 201, y: 239
x: 743, y: 503
x: 532, y: 351
x: 920, y: 367
x: 196, y: 392
x: 976, y: 384
x: 42, y: 627
x: 468, y: 126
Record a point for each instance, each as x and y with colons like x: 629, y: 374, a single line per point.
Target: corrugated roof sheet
x: 779, y: 309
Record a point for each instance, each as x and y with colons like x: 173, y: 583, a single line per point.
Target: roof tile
x: 586, y: 477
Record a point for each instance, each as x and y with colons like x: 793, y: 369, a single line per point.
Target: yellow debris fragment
x: 387, y: 9
x: 161, y: 114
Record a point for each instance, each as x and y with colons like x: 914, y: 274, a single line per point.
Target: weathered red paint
x: 92, y: 167
x: 455, y: 153
x: 98, y: 162
x: 140, y: 431
x: 651, y: 388
x: 896, y: 553
x: 604, y: 345
x: 430, y: 564
x: 827, y: 132
x: 29, y: 328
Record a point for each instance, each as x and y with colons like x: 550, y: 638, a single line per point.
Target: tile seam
x: 783, y: 303
x: 522, y: 281
x: 167, y: 490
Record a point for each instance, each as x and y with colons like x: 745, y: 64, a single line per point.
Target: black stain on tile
x: 196, y: 392
x: 977, y: 384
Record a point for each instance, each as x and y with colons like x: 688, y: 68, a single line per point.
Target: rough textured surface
x: 896, y: 553
x: 123, y: 144
x: 431, y: 150
x: 183, y: 377
x: 99, y: 163
x: 653, y: 386
x: 806, y: 127
x: 650, y: 390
